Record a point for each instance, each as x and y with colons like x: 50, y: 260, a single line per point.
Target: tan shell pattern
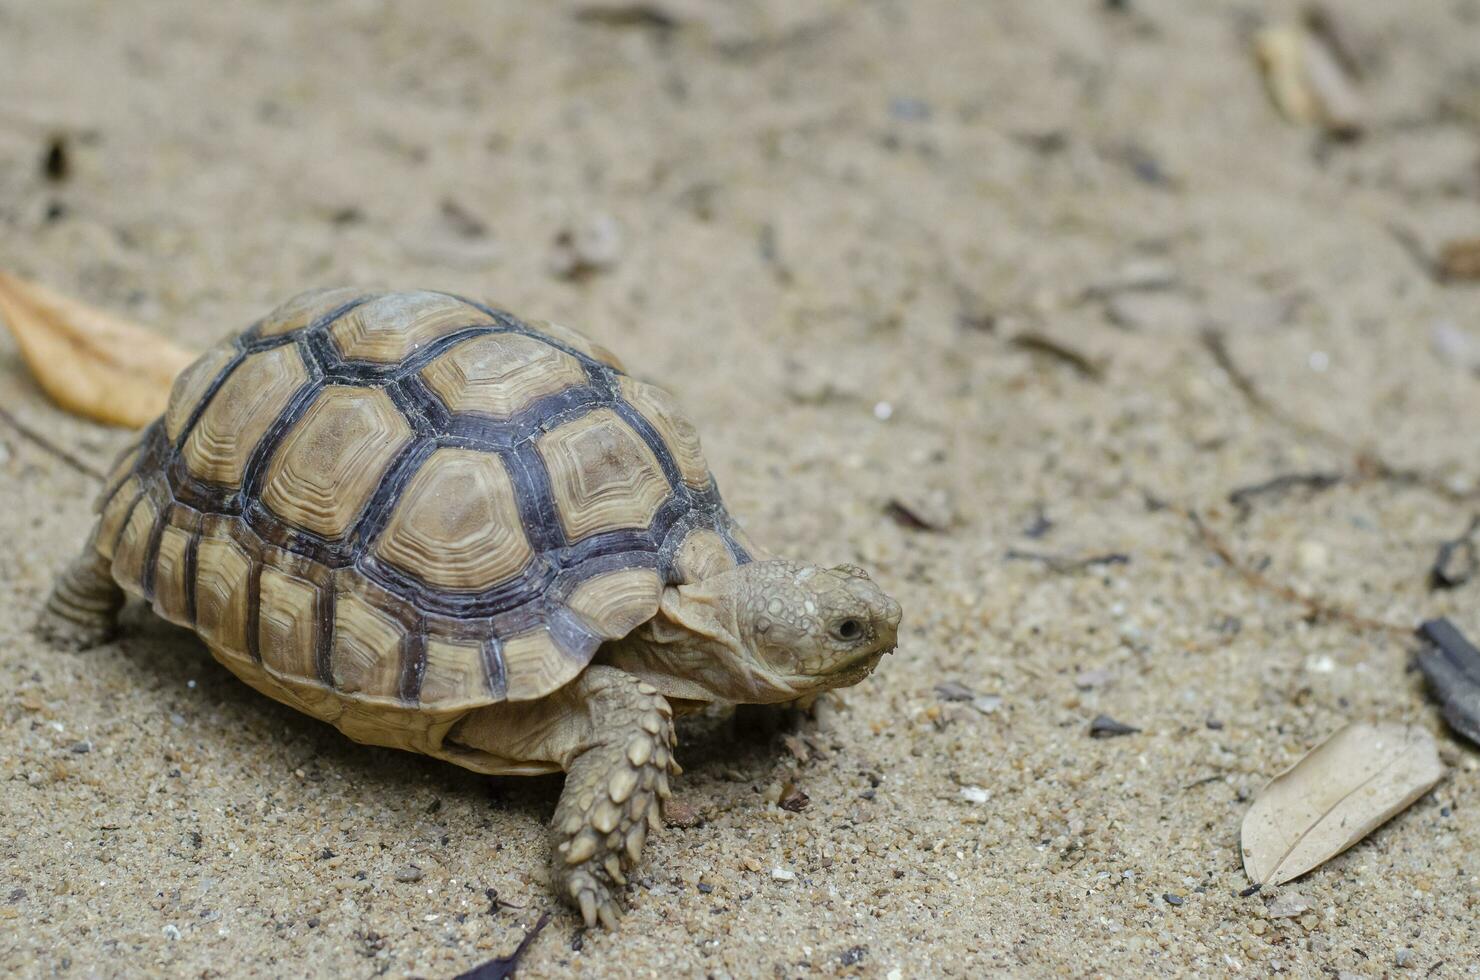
x: 411, y: 500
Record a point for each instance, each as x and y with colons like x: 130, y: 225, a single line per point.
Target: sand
x: 829, y: 228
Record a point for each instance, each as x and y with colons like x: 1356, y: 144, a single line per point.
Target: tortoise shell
x: 390, y: 509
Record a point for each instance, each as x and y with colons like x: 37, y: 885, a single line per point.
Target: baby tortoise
x: 445, y: 529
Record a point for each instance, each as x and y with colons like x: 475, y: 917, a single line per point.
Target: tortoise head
x: 811, y: 627
x: 766, y: 631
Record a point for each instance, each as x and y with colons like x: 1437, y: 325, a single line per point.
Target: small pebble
x: 1173, y: 899
x: 782, y: 874
x: 954, y: 691
x: 975, y: 794
x: 987, y: 703
x: 409, y: 874
x: 171, y: 931
x: 80, y: 748
x: 679, y: 813
x: 1087, y: 679
x: 1312, y: 556
x: 1103, y: 726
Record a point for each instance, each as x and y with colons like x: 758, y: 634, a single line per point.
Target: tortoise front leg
x: 82, y: 610
x: 613, y: 736
x: 612, y: 788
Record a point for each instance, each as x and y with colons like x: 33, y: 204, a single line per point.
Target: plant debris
x: 954, y: 691
x: 1066, y: 563
x: 1306, y: 81
x: 921, y: 514
x: 506, y: 966
x: 1288, y: 905
x: 1452, y: 665
x: 42, y: 442
x: 641, y: 15
x: 1456, y: 562
x: 1459, y: 260
x: 793, y: 799
x: 91, y: 363
x: 1038, y: 343
x: 1243, y: 497
x: 1103, y: 726
x: 463, y: 222
x: 586, y: 248
x: 1340, y: 792
x: 56, y: 162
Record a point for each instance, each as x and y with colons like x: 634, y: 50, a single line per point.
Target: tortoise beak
x: 888, y: 625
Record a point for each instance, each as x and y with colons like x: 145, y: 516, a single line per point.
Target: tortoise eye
x: 848, y: 629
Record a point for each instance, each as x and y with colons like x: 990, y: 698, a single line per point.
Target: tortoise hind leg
x: 82, y: 610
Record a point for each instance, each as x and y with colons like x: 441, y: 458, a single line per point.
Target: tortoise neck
x: 691, y: 651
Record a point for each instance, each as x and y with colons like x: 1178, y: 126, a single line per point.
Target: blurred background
x: 1006, y: 301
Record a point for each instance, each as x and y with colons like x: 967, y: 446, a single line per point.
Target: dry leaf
x: 1306, y: 81
x: 1460, y: 259
x: 1347, y: 787
x: 91, y: 363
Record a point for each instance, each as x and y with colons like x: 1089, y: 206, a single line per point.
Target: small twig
x: 1368, y: 465
x: 1316, y: 608
x: 41, y: 442
x: 1243, y: 497
x: 1415, y: 249
x: 1042, y: 344
x: 505, y: 966
x: 1065, y: 564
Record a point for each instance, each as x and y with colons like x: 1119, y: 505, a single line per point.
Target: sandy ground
x: 827, y: 227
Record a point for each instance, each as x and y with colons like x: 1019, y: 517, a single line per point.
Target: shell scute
x: 661, y: 411
x: 333, y: 458
x: 456, y: 525
x: 603, y: 476
x: 223, y: 570
x: 244, y: 407
x: 389, y: 328
x: 368, y: 645
x: 497, y: 375
x: 305, y: 308
x: 287, y: 623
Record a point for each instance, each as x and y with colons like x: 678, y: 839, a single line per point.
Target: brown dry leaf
x: 1460, y: 259
x: 91, y: 363
x: 1344, y: 789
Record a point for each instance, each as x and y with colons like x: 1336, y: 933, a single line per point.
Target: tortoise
x: 443, y: 528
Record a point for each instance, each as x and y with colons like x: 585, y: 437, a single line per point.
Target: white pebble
x: 171, y: 931
x: 782, y: 874
x: 975, y: 794
x: 883, y: 411
x: 1312, y: 555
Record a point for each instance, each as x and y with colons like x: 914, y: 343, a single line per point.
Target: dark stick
x: 505, y: 966
x: 40, y: 441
